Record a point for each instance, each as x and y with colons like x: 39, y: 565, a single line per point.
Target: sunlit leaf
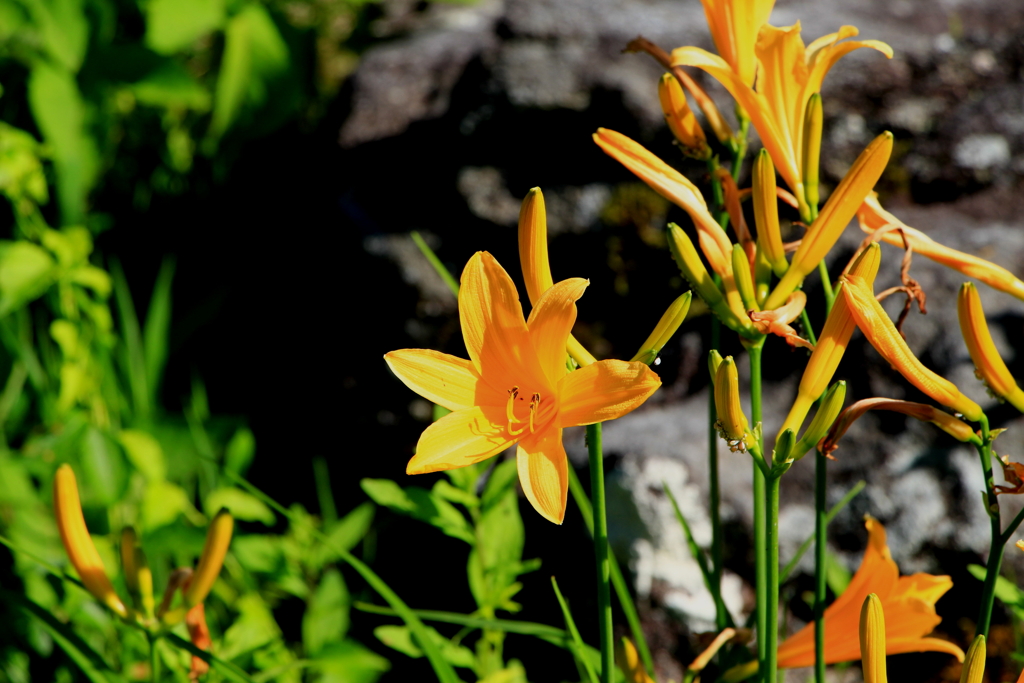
x: 242, y: 505
x: 349, y: 662
x: 162, y: 502
x: 240, y: 451
x: 401, y: 639
x: 419, y: 504
x: 343, y: 535
x: 173, y: 25
x: 144, y: 453
x: 26, y: 272
x: 326, y: 618
x: 104, y: 474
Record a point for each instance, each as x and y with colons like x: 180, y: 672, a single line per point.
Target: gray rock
x: 982, y: 151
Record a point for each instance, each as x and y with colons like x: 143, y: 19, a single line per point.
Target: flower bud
x: 974, y: 662
x: 628, y: 661
x: 218, y: 537
x: 533, y: 245
x: 680, y: 118
x: 663, y: 331
x: 841, y: 206
x: 137, y: 574
x: 812, y: 148
x: 732, y: 423
x: 744, y: 282
x: 872, y: 640
x: 766, y: 213
x: 714, y: 360
x: 873, y: 321
x: 832, y: 342
x: 692, y: 268
x: 988, y: 364
x: 829, y: 409
x: 78, y: 543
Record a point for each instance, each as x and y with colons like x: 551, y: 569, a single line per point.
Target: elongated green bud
x: 762, y: 275
x: 663, y: 331
x: 714, y: 360
x: 812, y: 148
x: 784, y: 447
x: 732, y: 422
x: 828, y: 411
x: 692, y: 268
x: 974, y: 662
x: 741, y: 273
x: 766, y: 213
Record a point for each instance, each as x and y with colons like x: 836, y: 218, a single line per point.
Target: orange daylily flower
x: 515, y: 388
x: 734, y: 25
x: 873, y: 321
x: 789, y: 75
x: 873, y: 217
x: 908, y: 603
x: 958, y: 429
x: 989, y: 365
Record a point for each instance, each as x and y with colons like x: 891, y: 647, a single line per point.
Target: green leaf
x: 104, y: 475
x: 87, y: 659
x: 494, y: 564
x: 442, y: 489
x: 240, y: 451
x: 350, y: 662
x: 242, y: 505
x: 254, y: 627
x: 64, y: 29
x: 400, y: 638
x: 26, y: 272
x: 420, y: 504
x: 144, y: 453
x: 326, y: 618
x: 258, y: 553
x: 343, y: 535
x: 1007, y: 592
x: 155, y: 332
x: 255, y: 55
x: 837, y: 576
x: 162, y: 502
x: 134, y: 361
x: 174, y: 25
x: 526, y: 628
x: 502, y: 479
x: 578, y: 648
x: 170, y: 86
x: 224, y: 668
x: 59, y: 112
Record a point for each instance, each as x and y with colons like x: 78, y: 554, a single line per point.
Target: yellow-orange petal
x: 841, y: 206
x: 494, y: 328
x: 775, y: 139
x: 604, y: 391
x: 461, y: 438
x: 734, y: 27
x: 446, y: 380
x: 550, y: 323
x: 544, y: 472
x: 821, y: 61
x: 879, y: 329
x: 533, y: 245
x: 77, y: 541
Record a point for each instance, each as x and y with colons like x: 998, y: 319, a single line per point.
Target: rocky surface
x: 954, y: 96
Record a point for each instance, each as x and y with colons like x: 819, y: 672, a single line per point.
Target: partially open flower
x: 777, y: 321
x: 681, y: 119
x: 989, y: 365
x: 958, y: 429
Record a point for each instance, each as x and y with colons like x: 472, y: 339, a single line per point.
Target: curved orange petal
x: 446, y: 380
x: 604, y: 391
x: 773, y: 136
x: 544, y: 472
x: 781, y: 79
x: 550, y: 323
x: 898, y: 646
x: 461, y: 438
x: 493, y: 326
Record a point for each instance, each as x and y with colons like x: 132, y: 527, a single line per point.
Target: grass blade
x: 618, y: 582
x: 87, y: 659
x: 836, y: 509
x: 526, y: 628
x: 578, y: 647
x: 452, y: 283
x: 156, y: 330
x: 134, y: 361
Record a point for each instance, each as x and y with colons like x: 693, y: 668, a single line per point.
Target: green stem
x: 714, y: 495
x: 808, y: 330
x: 826, y: 286
x: 618, y: 581
x: 604, y: 598
x: 741, y: 150
x: 820, y: 526
x: 154, y: 659
x: 995, y: 553
x: 772, y: 533
x: 717, y: 194
x: 760, y: 536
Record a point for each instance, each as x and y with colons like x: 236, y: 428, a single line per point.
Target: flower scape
x: 759, y: 260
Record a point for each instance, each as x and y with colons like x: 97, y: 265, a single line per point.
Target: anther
x: 513, y: 393
x: 534, y: 405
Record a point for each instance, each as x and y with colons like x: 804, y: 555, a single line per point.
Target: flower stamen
x: 513, y: 394
x: 534, y: 406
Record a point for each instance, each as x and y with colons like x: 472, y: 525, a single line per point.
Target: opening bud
x: 663, y: 331
x: 988, y: 364
x: 732, y: 423
x: 681, y: 119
